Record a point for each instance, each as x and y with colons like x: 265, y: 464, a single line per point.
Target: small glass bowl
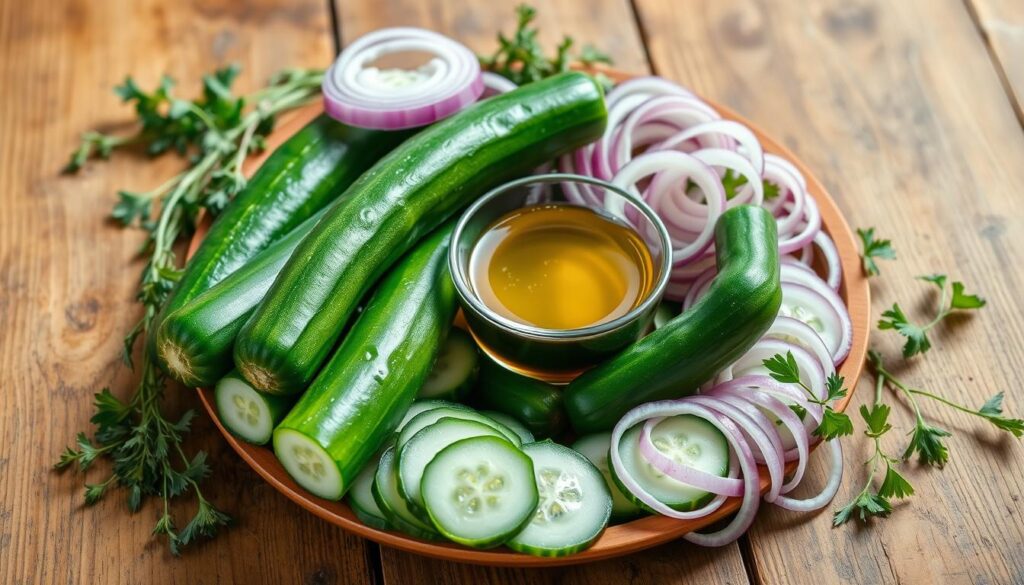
x: 556, y: 355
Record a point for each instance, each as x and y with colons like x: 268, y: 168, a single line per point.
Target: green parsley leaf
x: 834, y: 424
x: 992, y: 411
x: 939, y: 280
x: 926, y: 441
x: 894, y: 485
x: 964, y: 301
x: 771, y: 190
x: 783, y: 369
x: 873, y: 249
x: 834, y: 385
x: 917, y: 338
x: 876, y: 418
x: 866, y: 505
x: 993, y: 406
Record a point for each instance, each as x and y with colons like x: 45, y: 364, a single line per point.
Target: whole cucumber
x: 675, y: 359
x: 303, y: 175
x: 404, y: 196
x: 371, y: 380
x: 536, y: 404
x: 195, y: 341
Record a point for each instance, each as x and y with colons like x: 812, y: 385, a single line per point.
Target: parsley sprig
x: 521, y: 58
x: 917, y: 335
x: 215, y: 133
x: 869, y: 502
x: 833, y: 424
x: 927, y: 440
x: 874, y: 249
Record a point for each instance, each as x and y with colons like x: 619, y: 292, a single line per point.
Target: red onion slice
x: 835, y: 479
x: 702, y: 480
x: 495, y: 84
x: 667, y: 408
x: 834, y: 278
x: 392, y: 99
x: 799, y: 333
x: 808, y: 298
x: 702, y: 175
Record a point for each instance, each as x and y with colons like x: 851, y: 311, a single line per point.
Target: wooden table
x: 909, y: 111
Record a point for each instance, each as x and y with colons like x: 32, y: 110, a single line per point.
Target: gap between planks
x: 997, y: 60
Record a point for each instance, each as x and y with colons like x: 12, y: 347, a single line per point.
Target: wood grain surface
x: 905, y: 109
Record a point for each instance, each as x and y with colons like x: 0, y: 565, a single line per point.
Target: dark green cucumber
x: 303, y: 175
x: 534, y: 403
x: 368, y: 385
x: 195, y: 341
x: 404, y: 196
x: 675, y: 359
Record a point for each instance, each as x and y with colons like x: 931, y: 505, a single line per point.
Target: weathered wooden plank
x: 1002, y: 24
x: 897, y: 107
x: 67, y: 285
x: 609, y: 25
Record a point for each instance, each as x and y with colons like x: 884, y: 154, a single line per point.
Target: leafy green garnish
x: 732, y: 182
x: 870, y: 503
x: 521, y: 58
x: 874, y: 249
x: 917, y: 335
x: 833, y: 424
x: 215, y: 133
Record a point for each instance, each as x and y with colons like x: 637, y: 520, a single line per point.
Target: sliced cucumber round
x: 595, y: 448
x: 480, y: 491
x: 686, y: 439
x: 246, y: 412
x: 517, y: 427
x: 423, y: 406
x: 413, y: 457
x: 574, y: 504
x: 429, y: 417
x: 456, y: 369
x: 391, y: 503
x: 360, y: 497
x: 309, y: 464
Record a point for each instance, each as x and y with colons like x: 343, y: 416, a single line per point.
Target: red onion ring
x: 393, y: 99
x: 701, y: 480
x: 495, y: 84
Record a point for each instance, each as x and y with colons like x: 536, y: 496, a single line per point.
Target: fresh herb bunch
x: 927, y: 441
x: 521, y: 58
x: 214, y: 133
x: 833, y: 424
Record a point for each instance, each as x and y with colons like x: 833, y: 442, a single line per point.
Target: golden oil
x: 560, y: 266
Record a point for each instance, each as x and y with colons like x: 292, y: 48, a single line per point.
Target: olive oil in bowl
x: 560, y: 267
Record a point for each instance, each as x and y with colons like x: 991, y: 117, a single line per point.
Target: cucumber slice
x: 360, y: 497
x: 414, y: 456
x: 595, y: 448
x: 248, y: 413
x: 456, y: 369
x: 309, y: 464
x: 429, y: 417
x: 422, y: 406
x: 517, y: 427
x: 390, y: 502
x: 574, y: 507
x: 685, y: 438
x: 480, y: 491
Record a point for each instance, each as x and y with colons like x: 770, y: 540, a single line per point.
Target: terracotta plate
x: 616, y: 540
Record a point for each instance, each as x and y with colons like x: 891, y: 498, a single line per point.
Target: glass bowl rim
x: 469, y: 297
